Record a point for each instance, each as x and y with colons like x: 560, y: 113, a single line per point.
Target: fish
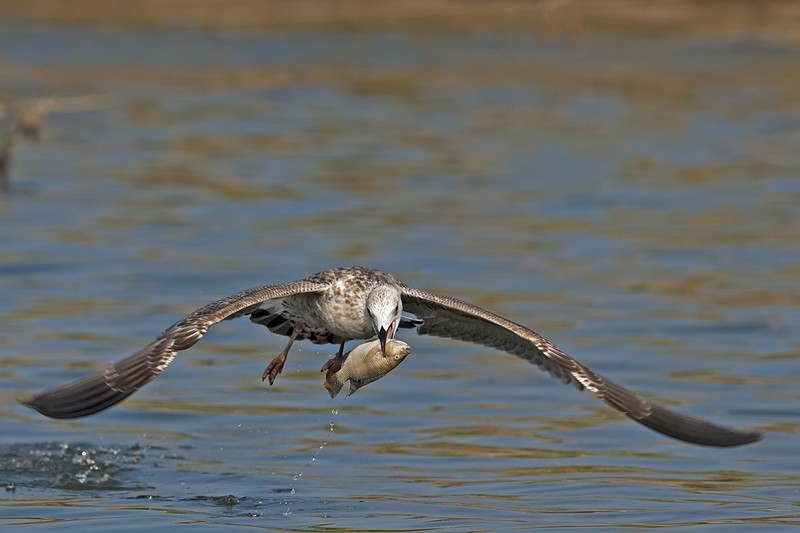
x: 366, y: 363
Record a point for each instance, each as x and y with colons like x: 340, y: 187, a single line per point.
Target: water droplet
x: 292, y: 491
x: 335, y: 411
x: 313, y: 459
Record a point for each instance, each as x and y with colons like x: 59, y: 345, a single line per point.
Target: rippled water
x: 634, y: 199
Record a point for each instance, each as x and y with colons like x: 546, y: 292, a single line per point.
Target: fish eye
x: 396, y: 357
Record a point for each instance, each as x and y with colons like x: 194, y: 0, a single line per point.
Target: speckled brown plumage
x: 330, y: 306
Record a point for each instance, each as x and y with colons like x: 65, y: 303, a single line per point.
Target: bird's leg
x: 335, y: 363
x: 276, y: 365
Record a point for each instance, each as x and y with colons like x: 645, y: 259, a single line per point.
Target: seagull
x: 343, y: 304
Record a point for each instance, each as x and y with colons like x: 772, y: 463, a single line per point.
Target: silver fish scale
x: 366, y: 363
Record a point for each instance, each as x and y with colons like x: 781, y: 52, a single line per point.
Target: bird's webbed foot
x: 335, y: 363
x: 274, y: 368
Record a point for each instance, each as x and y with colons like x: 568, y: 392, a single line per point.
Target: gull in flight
x: 343, y: 304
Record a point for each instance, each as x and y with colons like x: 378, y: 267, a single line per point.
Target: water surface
x: 633, y: 198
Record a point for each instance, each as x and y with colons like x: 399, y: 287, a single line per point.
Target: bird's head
x: 383, y: 310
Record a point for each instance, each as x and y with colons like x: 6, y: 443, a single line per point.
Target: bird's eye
x: 396, y: 309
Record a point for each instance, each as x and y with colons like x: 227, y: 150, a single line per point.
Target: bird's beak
x: 382, y: 335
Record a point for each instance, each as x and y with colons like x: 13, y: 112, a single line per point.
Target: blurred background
x: 620, y: 175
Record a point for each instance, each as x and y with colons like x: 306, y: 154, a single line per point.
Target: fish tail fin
x: 333, y: 389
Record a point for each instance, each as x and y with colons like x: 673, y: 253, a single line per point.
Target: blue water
x: 634, y: 200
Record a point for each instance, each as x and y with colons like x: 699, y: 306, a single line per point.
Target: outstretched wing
x: 456, y: 319
x: 118, y: 380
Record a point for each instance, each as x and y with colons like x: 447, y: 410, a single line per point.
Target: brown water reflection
x: 573, y: 19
